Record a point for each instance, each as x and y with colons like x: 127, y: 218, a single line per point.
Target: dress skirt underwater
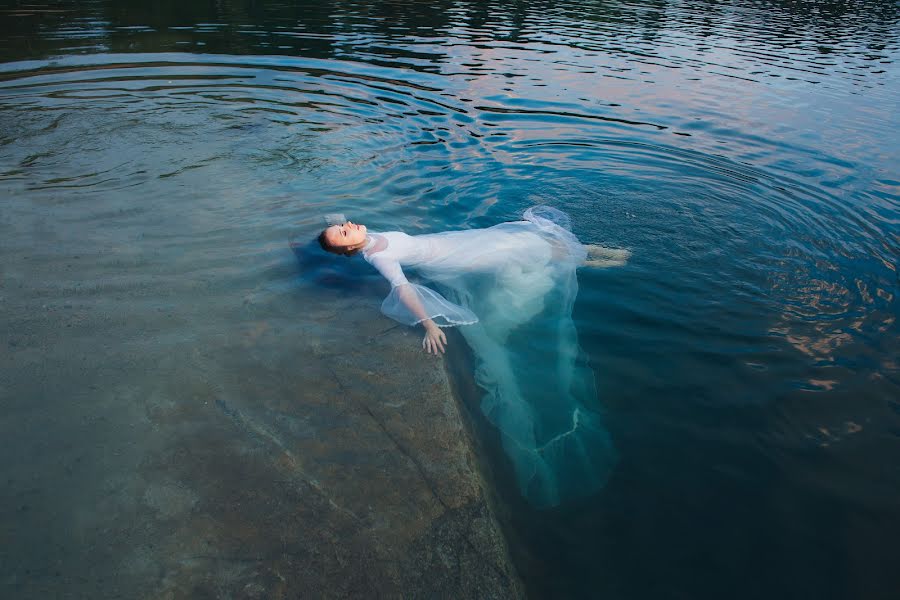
x: 513, y: 287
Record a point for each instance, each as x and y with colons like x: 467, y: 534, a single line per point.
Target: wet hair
x: 323, y: 241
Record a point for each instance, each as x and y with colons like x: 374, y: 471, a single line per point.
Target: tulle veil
x: 513, y: 287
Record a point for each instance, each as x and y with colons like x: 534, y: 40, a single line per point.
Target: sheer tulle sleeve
x: 400, y: 305
x: 389, y: 268
x: 411, y: 304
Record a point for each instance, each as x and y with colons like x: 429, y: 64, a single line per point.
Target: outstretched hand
x: 434, y: 340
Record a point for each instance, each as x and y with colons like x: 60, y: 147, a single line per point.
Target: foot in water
x: 602, y: 257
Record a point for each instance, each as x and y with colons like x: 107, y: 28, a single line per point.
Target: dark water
x: 154, y: 159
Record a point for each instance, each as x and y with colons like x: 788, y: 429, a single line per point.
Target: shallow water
x: 153, y: 163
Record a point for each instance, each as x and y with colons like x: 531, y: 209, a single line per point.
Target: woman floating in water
x: 512, y: 287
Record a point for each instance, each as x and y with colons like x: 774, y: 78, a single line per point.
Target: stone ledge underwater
x: 253, y: 455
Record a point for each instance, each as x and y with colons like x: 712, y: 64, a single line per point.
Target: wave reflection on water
x: 745, y: 152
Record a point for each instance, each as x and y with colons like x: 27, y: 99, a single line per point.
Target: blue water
x: 746, y: 358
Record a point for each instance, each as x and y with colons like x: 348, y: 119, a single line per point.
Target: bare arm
x: 411, y: 299
x: 434, y: 340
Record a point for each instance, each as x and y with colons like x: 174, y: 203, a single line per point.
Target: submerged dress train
x: 513, y: 286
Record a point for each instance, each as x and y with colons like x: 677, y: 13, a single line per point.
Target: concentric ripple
x: 154, y: 162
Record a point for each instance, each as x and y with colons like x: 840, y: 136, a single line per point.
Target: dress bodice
x: 388, y: 251
x: 440, y: 256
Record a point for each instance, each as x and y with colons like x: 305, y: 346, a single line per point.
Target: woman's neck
x: 365, y: 244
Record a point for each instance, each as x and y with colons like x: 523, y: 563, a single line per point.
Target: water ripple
x: 744, y: 152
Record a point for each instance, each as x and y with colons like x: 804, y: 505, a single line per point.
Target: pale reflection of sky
x: 703, y: 99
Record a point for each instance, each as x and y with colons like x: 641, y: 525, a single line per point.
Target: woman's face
x: 348, y: 234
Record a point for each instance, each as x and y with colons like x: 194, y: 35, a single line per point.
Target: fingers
x: 432, y: 343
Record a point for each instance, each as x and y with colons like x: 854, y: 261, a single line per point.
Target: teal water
x: 154, y: 161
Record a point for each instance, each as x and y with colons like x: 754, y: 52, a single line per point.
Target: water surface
x: 154, y: 161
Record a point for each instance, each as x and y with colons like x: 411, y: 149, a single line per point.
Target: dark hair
x: 335, y: 249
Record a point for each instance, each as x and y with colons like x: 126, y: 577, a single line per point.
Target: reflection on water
x: 154, y: 159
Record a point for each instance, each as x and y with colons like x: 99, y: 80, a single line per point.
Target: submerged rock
x: 268, y: 451
x: 364, y: 485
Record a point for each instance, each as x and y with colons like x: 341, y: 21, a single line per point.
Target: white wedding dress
x: 513, y: 288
